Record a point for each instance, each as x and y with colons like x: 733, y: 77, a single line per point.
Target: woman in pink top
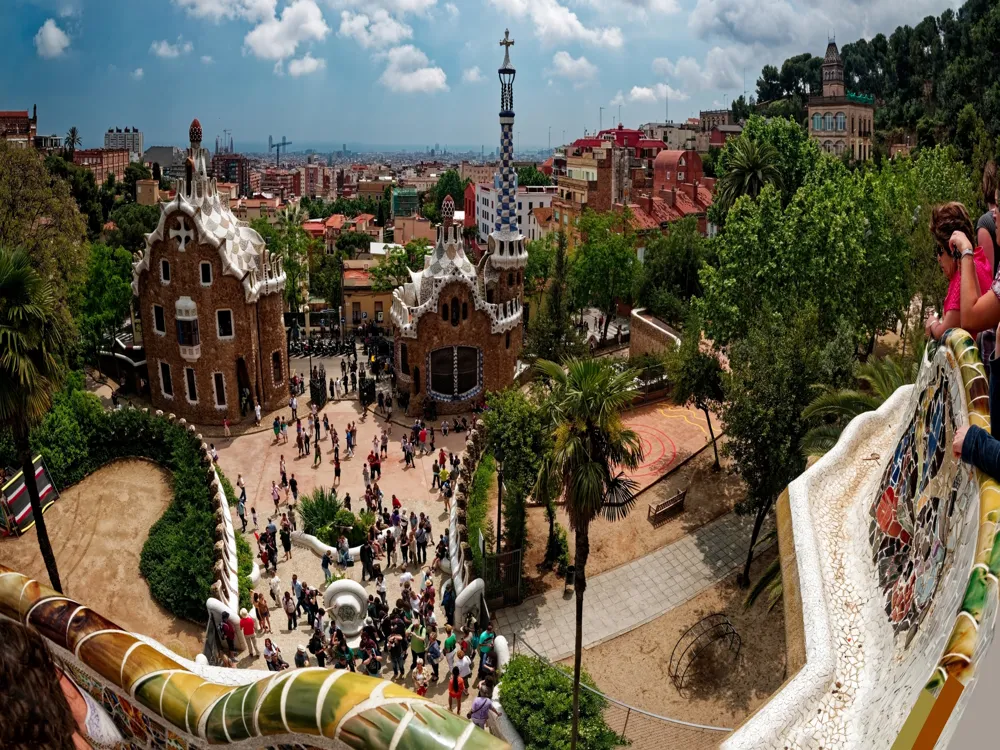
x: 953, y: 231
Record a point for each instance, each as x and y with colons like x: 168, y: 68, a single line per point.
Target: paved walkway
x: 629, y: 596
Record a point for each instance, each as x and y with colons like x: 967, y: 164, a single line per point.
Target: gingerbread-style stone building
x: 458, y: 328
x: 211, y: 304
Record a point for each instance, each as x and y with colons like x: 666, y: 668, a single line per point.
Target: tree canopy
x: 604, y: 265
x: 531, y: 176
x: 395, y: 267
x: 107, y: 296
x: 668, y: 277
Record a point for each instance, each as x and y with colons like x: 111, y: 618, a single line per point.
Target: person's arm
x: 977, y: 447
x: 985, y: 240
x: 979, y: 310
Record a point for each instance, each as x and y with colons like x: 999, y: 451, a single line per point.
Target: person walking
x: 275, y: 495
x: 418, y: 642
x: 286, y: 540
x: 293, y: 486
x: 284, y: 430
x: 305, y: 442
x: 434, y: 653
x: 290, y: 606
x: 367, y: 557
x: 256, y: 414
x: 390, y: 548
x: 225, y: 426
x: 241, y: 511
x: 228, y: 632
x: 464, y: 667
x: 435, y: 471
x: 318, y: 454
x: 276, y: 426
x: 249, y: 628
x: 404, y: 545
x: 481, y: 707
x: 283, y: 470
x: 397, y: 654
x: 336, y: 469
x: 456, y: 688
x: 293, y: 404
x: 421, y: 539
x: 241, y: 483
x: 253, y: 515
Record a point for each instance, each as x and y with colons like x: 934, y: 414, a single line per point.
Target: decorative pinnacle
x: 506, y: 43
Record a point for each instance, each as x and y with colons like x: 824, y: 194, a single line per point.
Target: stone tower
x: 833, y: 71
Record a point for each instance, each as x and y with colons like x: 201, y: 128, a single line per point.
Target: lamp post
x: 498, y: 454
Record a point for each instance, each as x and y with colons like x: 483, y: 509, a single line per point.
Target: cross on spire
x: 506, y: 43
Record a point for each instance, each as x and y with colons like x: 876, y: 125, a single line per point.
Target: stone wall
x: 650, y: 335
x: 896, y: 552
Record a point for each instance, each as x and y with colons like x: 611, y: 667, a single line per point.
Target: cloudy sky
x: 402, y: 72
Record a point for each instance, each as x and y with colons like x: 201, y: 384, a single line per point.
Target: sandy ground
x: 710, y: 495
x: 720, y: 690
x: 97, y: 529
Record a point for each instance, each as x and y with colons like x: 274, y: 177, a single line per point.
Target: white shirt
x: 405, y: 578
x: 464, y: 666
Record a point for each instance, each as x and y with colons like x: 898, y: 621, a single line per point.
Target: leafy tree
x: 709, y: 161
x: 539, y: 266
x: 38, y: 215
x: 769, y: 384
x: 107, y: 296
x: 72, y: 139
x: 536, y: 697
x: 82, y: 187
x: 530, y: 176
x: 551, y: 334
x: 696, y: 376
x: 132, y: 223
x: 668, y: 278
x: 590, y: 453
x: 768, y: 85
x: 604, y: 268
x: 133, y: 173
x: 325, y: 278
x: 514, y: 425
x: 448, y: 183
x: 352, y: 243
x: 749, y: 167
x: 394, y: 269
x: 292, y: 243
x: 30, y: 370
x: 742, y: 108
x: 157, y: 173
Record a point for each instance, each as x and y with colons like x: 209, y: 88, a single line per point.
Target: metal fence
x: 642, y: 730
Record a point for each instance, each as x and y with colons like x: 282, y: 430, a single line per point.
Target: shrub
x: 359, y: 531
x: 557, y: 551
x: 538, y: 699
x: 318, y: 509
x: 78, y: 436
x: 478, y: 505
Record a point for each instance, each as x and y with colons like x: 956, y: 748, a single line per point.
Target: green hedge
x: 475, y: 514
x: 78, y: 436
x: 538, y: 699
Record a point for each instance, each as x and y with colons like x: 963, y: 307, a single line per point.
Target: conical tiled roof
x: 832, y: 54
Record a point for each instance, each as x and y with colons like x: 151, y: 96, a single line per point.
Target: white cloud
x: 137, y: 74
x: 399, y: 7
x: 409, y: 71
x: 633, y: 10
x: 207, y: 59
x: 655, y: 93
x: 618, y: 100
x: 163, y: 48
x: 771, y: 22
x: 278, y: 37
x: 452, y: 10
x: 380, y: 30
x: 306, y: 65
x: 217, y: 10
x: 720, y: 71
x: 472, y: 75
x: 51, y: 41
x: 576, y: 69
x: 555, y: 23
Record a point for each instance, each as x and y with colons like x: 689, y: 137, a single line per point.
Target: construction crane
x: 273, y: 145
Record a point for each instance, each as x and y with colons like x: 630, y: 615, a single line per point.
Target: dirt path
x: 97, y: 529
x: 710, y: 495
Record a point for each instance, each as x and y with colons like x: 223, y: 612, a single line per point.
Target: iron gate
x: 502, y: 577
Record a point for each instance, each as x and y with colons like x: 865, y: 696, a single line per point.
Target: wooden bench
x: 660, y: 508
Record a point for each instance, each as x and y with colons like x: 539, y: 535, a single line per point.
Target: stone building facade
x: 842, y: 122
x: 458, y: 328
x: 211, y: 304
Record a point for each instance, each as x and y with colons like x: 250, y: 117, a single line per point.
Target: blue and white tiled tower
x: 506, y: 243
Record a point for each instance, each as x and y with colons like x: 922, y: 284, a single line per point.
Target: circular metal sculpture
x: 699, y: 638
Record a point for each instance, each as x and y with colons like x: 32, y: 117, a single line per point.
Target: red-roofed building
x: 315, y: 228
x: 365, y: 224
x: 680, y: 189
x: 334, y: 226
x: 18, y: 129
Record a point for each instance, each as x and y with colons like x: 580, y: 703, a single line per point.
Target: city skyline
x: 392, y: 74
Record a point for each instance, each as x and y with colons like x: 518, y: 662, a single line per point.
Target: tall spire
x: 506, y: 179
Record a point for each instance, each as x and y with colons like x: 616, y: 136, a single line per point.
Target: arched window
x: 444, y: 311
x: 404, y: 359
x: 841, y: 121
x: 817, y: 121
x: 828, y: 121
x: 454, y: 311
x: 489, y: 296
x: 455, y: 372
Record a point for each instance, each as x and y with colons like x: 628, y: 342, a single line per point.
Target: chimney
x: 689, y: 190
x: 649, y: 203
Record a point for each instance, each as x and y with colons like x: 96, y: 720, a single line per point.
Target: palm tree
x: 292, y: 216
x: 832, y: 409
x: 750, y: 166
x: 770, y: 581
x: 590, y: 448
x: 29, y: 371
x: 73, y: 139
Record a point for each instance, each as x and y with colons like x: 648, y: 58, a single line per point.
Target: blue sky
x: 402, y: 72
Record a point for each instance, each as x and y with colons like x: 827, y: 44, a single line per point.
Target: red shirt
x: 423, y: 436
x: 247, y: 625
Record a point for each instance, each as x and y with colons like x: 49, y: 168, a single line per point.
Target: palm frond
x: 820, y: 439
x: 769, y: 583
x: 619, y: 498
x: 844, y: 405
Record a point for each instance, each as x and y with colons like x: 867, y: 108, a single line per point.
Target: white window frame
x: 164, y: 262
x: 211, y: 273
x: 157, y: 331
x: 215, y: 392
x: 187, y: 390
x: 232, y: 324
x: 163, y: 391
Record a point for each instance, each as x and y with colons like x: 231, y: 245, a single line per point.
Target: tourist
x: 481, y: 707
x: 390, y: 548
x: 336, y: 470
x: 276, y: 426
x: 286, y: 540
x: 263, y: 612
x: 423, y: 440
x: 318, y: 649
x: 284, y: 430
x: 404, y: 546
x: 366, y: 555
x: 225, y: 427
x: 256, y: 414
x: 301, y: 657
x: 396, y: 645
x: 986, y: 227
x: 275, y: 496
x: 325, y: 563
x: 305, y: 442
x: 421, y: 541
x: 444, y: 431
x: 318, y: 455
x: 293, y: 486
x: 435, y: 469
x: 344, y: 550
x: 464, y: 667
x: 380, y: 588
x: 290, y: 606
x: 228, y: 632
x: 433, y: 653
x: 253, y: 516
x: 241, y: 483
x: 317, y: 623
x: 347, y: 501
x: 293, y: 404
x: 241, y: 511
x: 272, y: 655
x: 487, y: 665
x: 384, y: 453
x: 952, y: 230
x: 456, y: 688
x: 371, y: 662
x: 298, y: 440
x: 418, y: 641
x: 298, y: 591
x: 249, y: 628
x: 213, y: 453
x: 430, y: 436
x: 450, y: 646
x: 420, y: 677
